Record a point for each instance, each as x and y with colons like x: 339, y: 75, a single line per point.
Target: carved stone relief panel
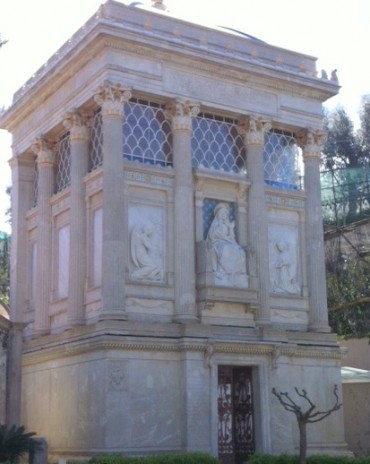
x: 146, y: 243
x: 226, y: 259
x: 284, y: 259
x: 117, y: 375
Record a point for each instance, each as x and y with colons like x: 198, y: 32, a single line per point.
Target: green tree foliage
x: 348, y: 288
x: 364, y: 131
x: 342, y: 154
x: 4, y: 267
x: 342, y: 148
x: 346, y: 158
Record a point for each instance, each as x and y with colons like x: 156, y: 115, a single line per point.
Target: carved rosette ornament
x: 180, y: 113
x: 77, y: 124
x: 44, y: 149
x: 111, y: 98
x: 311, y: 142
x: 254, y: 129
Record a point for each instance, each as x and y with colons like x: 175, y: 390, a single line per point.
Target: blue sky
x: 337, y: 32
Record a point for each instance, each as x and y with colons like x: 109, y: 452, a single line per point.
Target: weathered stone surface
x: 126, y: 358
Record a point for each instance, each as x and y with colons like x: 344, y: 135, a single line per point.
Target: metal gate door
x: 235, y: 414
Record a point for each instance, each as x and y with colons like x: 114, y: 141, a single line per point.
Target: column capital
x: 311, y: 142
x: 253, y: 128
x: 44, y: 149
x: 78, y: 125
x: 180, y: 112
x: 111, y: 98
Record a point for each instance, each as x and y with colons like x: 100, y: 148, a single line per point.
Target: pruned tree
x: 304, y: 417
x: 2, y: 42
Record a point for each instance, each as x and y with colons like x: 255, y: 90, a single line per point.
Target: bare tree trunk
x: 302, y: 441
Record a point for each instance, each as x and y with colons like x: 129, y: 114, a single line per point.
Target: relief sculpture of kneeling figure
x: 227, y: 257
x: 142, y: 250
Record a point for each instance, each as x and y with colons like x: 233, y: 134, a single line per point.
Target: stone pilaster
x: 79, y: 140
x: 23, y: 186
x: 254, y: 130
x: 112, y: 97
x: 45, y: 165
x: 311, y: 143
x: 180, y: 114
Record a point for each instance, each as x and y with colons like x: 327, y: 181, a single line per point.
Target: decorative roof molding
x: 114, y: 14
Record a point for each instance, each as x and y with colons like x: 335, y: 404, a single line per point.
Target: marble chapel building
x: 167, y: 246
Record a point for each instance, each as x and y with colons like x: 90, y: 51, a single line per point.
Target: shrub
x: 315, y: 459
x: 14, y: 442
x: 178, y: 458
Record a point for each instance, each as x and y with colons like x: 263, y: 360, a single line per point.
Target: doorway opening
x: 236, y: 431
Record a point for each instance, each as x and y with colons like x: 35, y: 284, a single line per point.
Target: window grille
x: 96, y: 141
x: 216, y: 144
x: 63, y: 165
x: 282, y: 160
x: 147, y: 133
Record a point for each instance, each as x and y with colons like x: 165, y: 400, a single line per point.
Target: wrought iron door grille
x: 236, y: 440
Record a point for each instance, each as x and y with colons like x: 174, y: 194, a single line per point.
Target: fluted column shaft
x: 23, y: 177
x: 180, y: 114
x: 45, y: 165
x: 23, y: 183
x: 112, y: 98
x: 311, y: 143
x: 254, y: 131
x: 14, y: 375
x: 79, y: 140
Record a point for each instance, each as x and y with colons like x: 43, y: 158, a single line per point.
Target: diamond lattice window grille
x: 96, y: 141
x: 147, y: 133
x: 282, y: 160
x: 63, y: 163
x: 216, y: 144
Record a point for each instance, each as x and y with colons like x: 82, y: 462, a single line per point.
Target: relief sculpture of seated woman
x: 227, y: 257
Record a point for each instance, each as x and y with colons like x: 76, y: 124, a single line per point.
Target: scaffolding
x: 345, y: 196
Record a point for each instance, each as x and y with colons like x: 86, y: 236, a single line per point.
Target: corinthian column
x: 254, y: 130
x: 79, y: 140
x: 312, y: 142
x: 45, y: 165
x: 23, y: 186
x: 180, y: 114
x: 112, y: 97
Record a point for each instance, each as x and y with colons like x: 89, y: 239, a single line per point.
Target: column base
x: 321, y: 328
x: 40, y: 332
x: 185, y: 318
x: 116, y: 315
x: 263, y: 323
x: 76, y: 322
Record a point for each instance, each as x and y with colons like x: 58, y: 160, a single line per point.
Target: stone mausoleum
x: 167, y: 245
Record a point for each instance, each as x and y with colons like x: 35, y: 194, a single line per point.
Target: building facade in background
x: 167, y: 246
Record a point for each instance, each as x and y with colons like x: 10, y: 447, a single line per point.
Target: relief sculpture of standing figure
x: 284, y: 279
